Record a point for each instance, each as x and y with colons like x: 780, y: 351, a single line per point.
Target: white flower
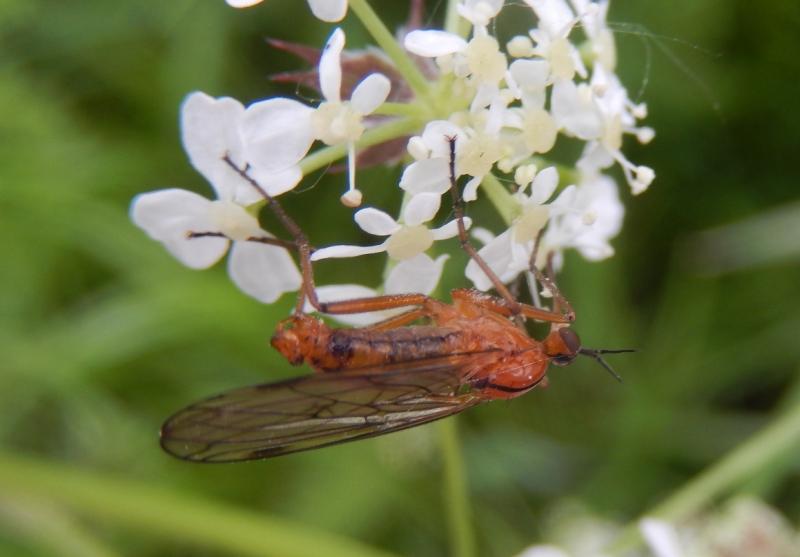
x: 420, y: 274
x: 326, y: 10
x: 479, y: 59
x: 556, y: 21
x: 585, y: 217
x: 431, y: 171
x: 499, y: 103
x: 198, y: 231
x: 509, y: 253
x: 479, y: 12
x: 661, y: 537
x: 477, y: 149
x: 271, y: 136
x: 341, y: 122
x: 617, y: 116
x: 404, y: 241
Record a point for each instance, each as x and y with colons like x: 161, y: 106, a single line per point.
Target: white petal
x: 544, y: 184
x: 418, y: 274
x: 421, y: 208
x: 471, y: 189
x: 437, y: 134
x: 530, y: 73
x: 340, y: 292
x: 338, y: 252
x: 544, y: 551
x: 554, y: 15
x: 277, y: 133
x: 496, y: 254
x: 531, y: 77
x: 450, y: 229
x: 481, y: 234
x: 242, y: 3
x: 330, y: 67
x: 210, y: 130
x: 433, y: 43
x: 426, y: 175
x: 661, y: 537
x: 168, y: 215
x: 262, y: 271
x: 566, y: 200
x: 376, y: 222
x: 328, y: 10
x: 574, y: 109
x: 506, y: 257
x: 274, y: 183
x: 479, y: 12
x: 370, y: 93
x: 483, y: 97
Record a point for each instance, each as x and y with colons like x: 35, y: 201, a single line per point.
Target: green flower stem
x: 454, y: 23
x: 500, y: 198
x: 456, y: 493
x: 746, y: 461
x: 214, y: 526
x: 384, y: 132
x: 385, y: 39
x: 411, y: 110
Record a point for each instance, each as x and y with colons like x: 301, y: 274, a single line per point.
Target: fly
x: 382, y: 378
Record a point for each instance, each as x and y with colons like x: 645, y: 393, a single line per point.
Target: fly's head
x: 295, y: 337
x: 562, y: 345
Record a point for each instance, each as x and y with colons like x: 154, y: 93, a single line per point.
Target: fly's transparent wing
x: 319, y: 410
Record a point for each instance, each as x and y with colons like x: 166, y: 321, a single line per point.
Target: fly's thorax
x: 298, y: 337
x: 512, y: 374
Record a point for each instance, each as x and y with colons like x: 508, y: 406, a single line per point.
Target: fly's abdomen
x: 352, y: 348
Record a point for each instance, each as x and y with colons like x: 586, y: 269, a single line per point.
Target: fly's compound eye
x: 567, y: 346
x: 571, y: 341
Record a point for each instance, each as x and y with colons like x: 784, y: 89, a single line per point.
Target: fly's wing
x: 319, y: 410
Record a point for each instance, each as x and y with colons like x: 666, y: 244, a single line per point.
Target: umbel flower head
x: 458, y: 102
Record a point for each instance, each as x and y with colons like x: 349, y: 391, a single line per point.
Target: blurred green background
x: 103, y: 335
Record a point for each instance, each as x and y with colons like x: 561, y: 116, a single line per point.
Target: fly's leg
x: 560, y: 303
x: 502, y: 307
x: 300, y: 243
x: 425, y: 307
x: 270, y: 241
x: 507, y: 305
x: 458, y: 209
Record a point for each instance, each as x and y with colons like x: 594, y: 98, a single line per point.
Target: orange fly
x: 381, y: 378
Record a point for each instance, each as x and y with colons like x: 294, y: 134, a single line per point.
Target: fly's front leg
x: 466, y: 245
x: 502, y: 307
x: 300, y: 241
x: 560, y: 303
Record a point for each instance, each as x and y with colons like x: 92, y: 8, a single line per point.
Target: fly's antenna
x: 301, y: 243
x: 595, y: 354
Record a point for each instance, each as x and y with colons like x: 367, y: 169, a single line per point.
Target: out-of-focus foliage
x: 102, y: 334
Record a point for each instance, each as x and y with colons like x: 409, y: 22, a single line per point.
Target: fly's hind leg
x: 425, y: 307
x: 502, y: 307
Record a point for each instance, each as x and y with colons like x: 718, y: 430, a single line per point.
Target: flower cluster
x: 740, y: 527
x: 504, y: 104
